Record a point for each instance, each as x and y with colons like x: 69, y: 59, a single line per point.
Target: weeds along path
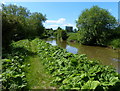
x: 37, y: 76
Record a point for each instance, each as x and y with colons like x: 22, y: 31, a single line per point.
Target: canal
x: 105, y: 55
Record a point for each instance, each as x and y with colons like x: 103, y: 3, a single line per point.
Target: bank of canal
x: 105, y: 55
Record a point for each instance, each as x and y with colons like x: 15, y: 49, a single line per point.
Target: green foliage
x: 91, y: 85
x: 61, y: 35
x: 49, y: 33
x: 59, y: 28
x: 73, y: 37
x: 18, y: 23
x: 36, y: 23
x: 115, y: 43
x: 115, y: 34
x: 95, y: 26
x: 13, y: 70
x: 73, y: 71
x: 55, y: 33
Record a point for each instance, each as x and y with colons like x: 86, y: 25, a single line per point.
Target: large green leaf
x: 90, y: 85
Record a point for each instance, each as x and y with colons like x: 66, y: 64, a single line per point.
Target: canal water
x: 106, y: 56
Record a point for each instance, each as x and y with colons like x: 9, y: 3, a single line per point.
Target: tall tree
x: 95, y: 25
x: 37, y: 20
x: 18, y: 23
x: 13, y: 23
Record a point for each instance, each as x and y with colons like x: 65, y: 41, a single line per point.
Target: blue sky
x: 65, y: 13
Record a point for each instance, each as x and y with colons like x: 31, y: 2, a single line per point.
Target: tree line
x: 96, y: 26
x: 19, y: 23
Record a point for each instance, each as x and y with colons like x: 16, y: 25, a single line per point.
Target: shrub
x: 115, y: 43
x: 95, y: 26
x: 72, y: 37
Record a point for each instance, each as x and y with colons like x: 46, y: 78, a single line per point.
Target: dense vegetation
x: 95, y: 26
x: 19, y: 23
x: 13, y: 69
x: 73, y: 71
x: 73, y: 37
x: 59, y: 34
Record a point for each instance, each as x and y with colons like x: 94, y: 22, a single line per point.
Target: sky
x: 60, y: 0
x: 61, y: 14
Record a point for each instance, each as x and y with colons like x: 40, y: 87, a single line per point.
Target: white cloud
x: 110, y: 10
x: 68, y: 24
x: 14, y: 3
x: 59, y: 21
x: 51, y: 21
x: 76, y: 19
x: 53, y: 25
x: 3, y: 2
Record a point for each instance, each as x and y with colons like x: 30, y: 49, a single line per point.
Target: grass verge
x: 37, y: 76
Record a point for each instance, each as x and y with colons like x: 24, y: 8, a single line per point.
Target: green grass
x: 37, y: 76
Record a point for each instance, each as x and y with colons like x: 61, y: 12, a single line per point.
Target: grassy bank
x: 112, y: 43
x: 22, y: 69
x: 72, y: 71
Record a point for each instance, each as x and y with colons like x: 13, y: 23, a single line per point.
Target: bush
x: 61, y: 35
x: 72, y: 37
x: 95, y: 26
x: 115, y: 43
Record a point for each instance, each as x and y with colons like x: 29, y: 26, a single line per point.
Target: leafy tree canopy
x: 19, y: 23
x: 95, y: 26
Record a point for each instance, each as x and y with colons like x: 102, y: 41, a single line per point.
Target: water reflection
x: 53, y: 42
x: 62, y: 44
x: 107, y: 56
x: 71, y: 49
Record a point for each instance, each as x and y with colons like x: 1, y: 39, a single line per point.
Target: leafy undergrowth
x: 13, y: 69
x: 73, y: 71
x: 37, y: 76
x: 23, y: 70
